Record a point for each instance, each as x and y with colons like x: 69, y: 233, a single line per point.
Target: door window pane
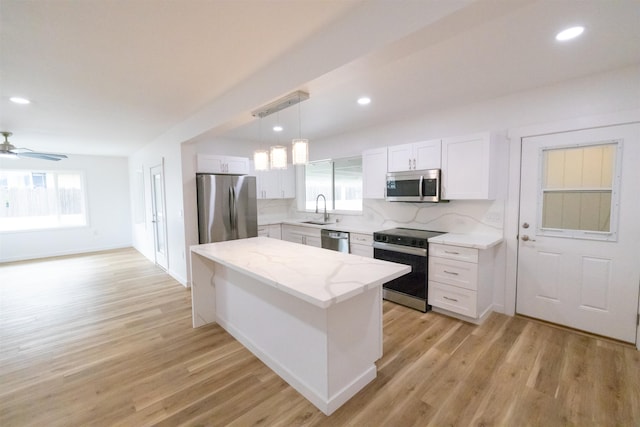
x: 577, y: 187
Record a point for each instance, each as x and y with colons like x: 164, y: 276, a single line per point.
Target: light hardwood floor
x: 106, y: 339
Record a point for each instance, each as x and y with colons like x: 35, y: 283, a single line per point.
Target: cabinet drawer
x: 453, y: 252
x: 362, y: 250
x: 457, y: 273
x: 361, y: 239
x: 452, y: 298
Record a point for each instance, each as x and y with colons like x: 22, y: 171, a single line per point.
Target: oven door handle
x: 403, y: 249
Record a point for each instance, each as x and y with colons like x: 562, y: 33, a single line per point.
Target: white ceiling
x: 107, y: 77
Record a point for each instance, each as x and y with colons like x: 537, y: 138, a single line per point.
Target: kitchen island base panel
x: 326, y: 354
x: 203, y: 291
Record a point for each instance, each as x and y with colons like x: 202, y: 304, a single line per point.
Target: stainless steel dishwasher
x: 335, y: 240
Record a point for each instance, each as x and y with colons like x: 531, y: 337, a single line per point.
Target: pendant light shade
x: 299, y: 146
x: 261, y: 160
x: 300, y: 151
x: 260, y: 156
x: 278, y: 157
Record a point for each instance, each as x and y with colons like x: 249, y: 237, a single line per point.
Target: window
x: 340, y: 181
x: 36, y: 200
x: 578, y: 191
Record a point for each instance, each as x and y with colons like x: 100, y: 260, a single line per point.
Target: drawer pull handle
x: 452, y: 252
x: 451, y: 272
x: 450, y: 299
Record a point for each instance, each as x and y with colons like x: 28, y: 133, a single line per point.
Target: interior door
x: 158, y: 216
x: 579, y: 237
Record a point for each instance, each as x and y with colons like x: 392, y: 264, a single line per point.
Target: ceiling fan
x: 8, y: 150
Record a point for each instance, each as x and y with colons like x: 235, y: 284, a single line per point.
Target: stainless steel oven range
x: 411, y: 247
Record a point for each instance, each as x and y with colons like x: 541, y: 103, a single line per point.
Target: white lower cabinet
x: 461, y: 281
x: 361, y: 244
x: 301, y: 234
x: 271, y: 230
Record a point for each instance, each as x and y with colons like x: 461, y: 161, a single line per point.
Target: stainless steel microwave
x: 413, y: 186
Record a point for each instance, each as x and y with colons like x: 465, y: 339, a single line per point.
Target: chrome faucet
x: 326, y: 215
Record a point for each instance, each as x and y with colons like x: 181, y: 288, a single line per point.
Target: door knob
x: 526, y: 238
x: 525, y: 225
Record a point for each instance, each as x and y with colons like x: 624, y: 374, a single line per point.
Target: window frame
x: 612, y: 234
x: 331, y: 203
x: 59, y: 226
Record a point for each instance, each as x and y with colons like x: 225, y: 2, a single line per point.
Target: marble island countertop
x: 318, y: 276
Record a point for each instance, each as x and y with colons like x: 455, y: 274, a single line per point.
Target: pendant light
x: 277, y: 155
x: 261, y: 160
x: 278, y: 152
x: 260, y: 157
x: 299, y: 146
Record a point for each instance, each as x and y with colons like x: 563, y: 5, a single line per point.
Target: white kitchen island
x: 312, y: 315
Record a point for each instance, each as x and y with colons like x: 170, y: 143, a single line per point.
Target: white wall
x: 108, y: 211
x: 143, y: 160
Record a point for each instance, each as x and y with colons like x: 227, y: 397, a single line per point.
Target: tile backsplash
x: 458, y: 216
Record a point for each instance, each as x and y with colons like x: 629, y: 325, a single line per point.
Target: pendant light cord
x: 299, y: 120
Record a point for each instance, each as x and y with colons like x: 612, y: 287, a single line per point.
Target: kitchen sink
x: 317, y: 222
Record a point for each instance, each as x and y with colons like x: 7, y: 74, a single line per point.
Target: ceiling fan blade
x: 43, y: 156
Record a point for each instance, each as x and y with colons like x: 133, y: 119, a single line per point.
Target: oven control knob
x: 385, y: 238
x: 413, y: 242
x: 421, y: 243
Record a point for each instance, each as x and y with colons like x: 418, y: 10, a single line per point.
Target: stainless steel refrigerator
x: 226, y: 207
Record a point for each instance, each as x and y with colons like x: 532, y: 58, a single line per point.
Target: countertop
x: 478, y: 241
x: 318, y: 276
x: 467, y: 240
x: 337, y: 226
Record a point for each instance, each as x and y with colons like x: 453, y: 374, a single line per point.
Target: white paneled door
x: 579, y: 235
x: 158, y: 216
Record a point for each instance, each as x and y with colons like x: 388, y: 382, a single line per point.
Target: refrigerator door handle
x: 231, y: 211
x: 234, y: 214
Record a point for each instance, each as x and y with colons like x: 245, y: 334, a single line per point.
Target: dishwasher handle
x: 339, y: 236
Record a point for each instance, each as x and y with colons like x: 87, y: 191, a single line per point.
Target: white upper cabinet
x: 210, y: 163
x: 471, y: 166
x: 415, y: 156
x: 276, y: 184
x: 374, y: 173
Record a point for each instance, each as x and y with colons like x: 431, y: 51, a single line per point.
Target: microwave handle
x: 421, y: 185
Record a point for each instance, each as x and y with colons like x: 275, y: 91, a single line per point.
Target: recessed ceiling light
x: 569, y: 33
x: 19, y: 100
x: 277, y: 128
x: 364, y: 100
